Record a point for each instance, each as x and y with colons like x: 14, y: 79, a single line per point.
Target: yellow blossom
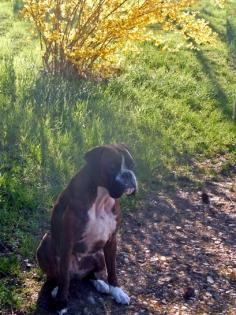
x: 87, y: 35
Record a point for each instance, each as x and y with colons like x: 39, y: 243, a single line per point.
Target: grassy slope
x: 174, y: 111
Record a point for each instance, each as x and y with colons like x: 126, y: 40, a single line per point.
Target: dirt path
x: 177, y: 255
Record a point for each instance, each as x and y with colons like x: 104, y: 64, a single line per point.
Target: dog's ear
x: 93, y: 156
x: 123, y: 146
x: 125, y: 149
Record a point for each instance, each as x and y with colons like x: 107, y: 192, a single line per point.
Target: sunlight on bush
x: 86, y: 36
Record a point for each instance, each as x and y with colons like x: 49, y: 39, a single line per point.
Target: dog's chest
x: 101, y: 221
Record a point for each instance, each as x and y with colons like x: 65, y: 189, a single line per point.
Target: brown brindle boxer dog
x: 84, y: 222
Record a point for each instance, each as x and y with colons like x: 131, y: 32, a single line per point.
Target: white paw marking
x: 101, y: 286
x: 54, y: 292
x: 62, y: 312
x: 119, y: 295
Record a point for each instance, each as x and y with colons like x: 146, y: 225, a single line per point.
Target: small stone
x: 210, y: 280
x: 91, y: 300
x: 28, y: 265
x: 86, y: 311
x: 189, y: 293
x: 205, y: 198
x: 126, y: 260
x: 162, y: 258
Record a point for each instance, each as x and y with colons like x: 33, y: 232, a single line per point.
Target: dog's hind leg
x: 46, y: 256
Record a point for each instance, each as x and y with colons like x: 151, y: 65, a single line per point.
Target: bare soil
x: 177, y: 255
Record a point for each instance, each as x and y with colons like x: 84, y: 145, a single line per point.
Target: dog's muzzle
x: 128, y: 181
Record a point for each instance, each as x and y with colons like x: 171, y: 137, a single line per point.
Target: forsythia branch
x: 85, y: 35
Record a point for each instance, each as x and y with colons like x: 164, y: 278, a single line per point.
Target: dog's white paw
x: 54, y: 292
x: 119, y: 295
x: 101, y: 286
x: 62, y: 312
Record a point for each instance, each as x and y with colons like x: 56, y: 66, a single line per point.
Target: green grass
x: 173, y: 109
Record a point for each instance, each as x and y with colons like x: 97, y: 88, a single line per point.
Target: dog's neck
x: 87, y: 189
x: 103, y: 197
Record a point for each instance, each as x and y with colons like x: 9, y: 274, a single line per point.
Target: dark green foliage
x: 17, y: 5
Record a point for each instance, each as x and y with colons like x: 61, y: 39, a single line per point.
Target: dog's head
x: 112, y: 167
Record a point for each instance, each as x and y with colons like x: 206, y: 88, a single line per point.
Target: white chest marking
x: 102, y: 221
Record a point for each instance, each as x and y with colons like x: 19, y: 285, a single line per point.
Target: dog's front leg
x: 110, y: 257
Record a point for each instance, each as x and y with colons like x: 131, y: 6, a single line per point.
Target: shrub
x: 86, y: 36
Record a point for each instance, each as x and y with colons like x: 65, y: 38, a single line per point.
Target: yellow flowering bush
x: 86, y: 35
